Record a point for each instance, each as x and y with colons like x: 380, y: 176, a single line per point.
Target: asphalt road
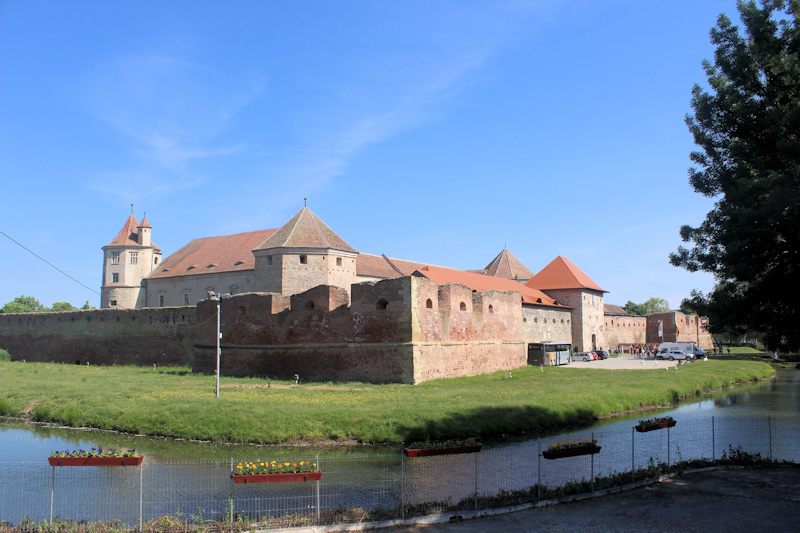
x: 728, y: 501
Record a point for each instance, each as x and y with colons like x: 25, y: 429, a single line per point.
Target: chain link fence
x: 200, y: 495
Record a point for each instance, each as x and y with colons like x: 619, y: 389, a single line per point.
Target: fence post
x: 592, y: 465
x: 52, y: 490
x: 713, y: 441
x: 141, y: 492
x: 769, y: 423
x: 402, y: 485
x: 539, y: 471
x: 476, y: 480
x: 633, y: 455
x: 317, y: 489
x: 668, y: 449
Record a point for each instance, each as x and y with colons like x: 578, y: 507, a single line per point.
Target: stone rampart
x: 162, y: 336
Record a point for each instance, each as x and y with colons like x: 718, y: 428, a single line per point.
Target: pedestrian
x: 297, y: 379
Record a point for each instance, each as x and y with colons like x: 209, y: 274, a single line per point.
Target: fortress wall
x: 625, y: 330
x: 147, y: 336
x: 546, y: 324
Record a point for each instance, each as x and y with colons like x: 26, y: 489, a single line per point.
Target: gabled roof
x: 562, y: 274
x: 481, y: 283
x: 614, y: 310
x: 505, y: 265
x: 305, y: 230
x: 129, y: 234
x: 213, y: 254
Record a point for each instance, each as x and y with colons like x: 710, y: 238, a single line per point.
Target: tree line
x: 29, y: 304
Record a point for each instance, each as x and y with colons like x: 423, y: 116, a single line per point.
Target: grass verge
x: 173, y: 402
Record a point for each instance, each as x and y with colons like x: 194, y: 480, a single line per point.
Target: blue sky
x: 437, y: 132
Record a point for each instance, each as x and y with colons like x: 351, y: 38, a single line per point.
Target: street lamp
x: 213, y: 296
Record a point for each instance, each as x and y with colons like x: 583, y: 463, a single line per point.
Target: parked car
x: 584, y: 356
x: 601, y: 354
x: 675, y: 354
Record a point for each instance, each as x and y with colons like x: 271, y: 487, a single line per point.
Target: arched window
x: 310, y: 305
x: 381, y: 304
x: 429, y: 304
x: 303, y: 259
x: 463, y: 306
x: 491, y: 309
x: 338, y: 261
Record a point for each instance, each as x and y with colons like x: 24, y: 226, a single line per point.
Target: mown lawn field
x: 173, y: 402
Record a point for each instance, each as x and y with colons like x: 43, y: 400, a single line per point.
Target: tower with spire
x: 127, y: 260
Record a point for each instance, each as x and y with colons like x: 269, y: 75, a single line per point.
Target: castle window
x: 269, y: 260
x: 112, y: 303
x: 134, y: 257
x: 161, y: 300
x: 114, y: 258
x: 303, y: 259
x: 155, y: 260
x: 382, y: 304
x: 310, y: 305
x: 241, y: 313
x: 338, y: 261
x: 233, y: 290
x: 429, y: 304
x: 491, y: 308
x: 115, y: 277
x: 535, y: 320
x: 463, y: 306
x: 186, y: 298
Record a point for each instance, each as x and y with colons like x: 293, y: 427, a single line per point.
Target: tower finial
x: 305, y: 202
x: 131, y: 209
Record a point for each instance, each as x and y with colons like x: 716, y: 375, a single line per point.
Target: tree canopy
x: 747, y: 127
x: 29, y: 304
x: 651, y: 305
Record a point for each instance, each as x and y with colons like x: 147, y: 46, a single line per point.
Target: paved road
x: 730, y: 501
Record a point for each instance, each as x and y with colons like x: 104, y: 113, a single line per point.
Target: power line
x: 46, y: 261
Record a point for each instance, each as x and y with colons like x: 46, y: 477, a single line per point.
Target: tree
x: 747, y: 126
x: 652, y: 305
x: 23, y: 304
x: 63, y: 306
x: 87, y: 306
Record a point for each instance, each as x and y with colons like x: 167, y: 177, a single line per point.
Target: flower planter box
x: 452, y: 450
x: 570, y: 452
x: 95, y: 461
x: 276, y: 478
x: 653, y: 427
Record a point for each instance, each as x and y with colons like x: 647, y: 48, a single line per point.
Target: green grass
x: 173, y: 402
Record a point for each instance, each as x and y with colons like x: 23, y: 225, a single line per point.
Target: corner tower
x: 127, y: 260
x: 302, y: 254
x: 565, y: 282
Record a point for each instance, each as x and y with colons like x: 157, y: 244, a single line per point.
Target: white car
x: 675, y: 354
x: 583, y: 356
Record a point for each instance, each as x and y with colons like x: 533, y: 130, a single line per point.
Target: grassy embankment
x: 176, y: 403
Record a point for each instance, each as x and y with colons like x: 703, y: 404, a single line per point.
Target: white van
x: 688, y: 347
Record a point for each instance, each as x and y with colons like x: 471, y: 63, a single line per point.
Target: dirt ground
x: 732, y: 501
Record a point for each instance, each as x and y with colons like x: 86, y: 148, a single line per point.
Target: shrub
x: 4, y: 355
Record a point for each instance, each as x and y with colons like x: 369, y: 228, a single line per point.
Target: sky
x: 438, y: 132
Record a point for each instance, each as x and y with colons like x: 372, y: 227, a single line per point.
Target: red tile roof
x: 562, y: 274
x: 376, y: 266
x: 213, y: 254
x: 505, y: 265
x: 306, y: 230
x: 480, y: 283
x: 129, y: 234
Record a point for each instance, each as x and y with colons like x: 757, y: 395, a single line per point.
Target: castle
x: 299, y: 299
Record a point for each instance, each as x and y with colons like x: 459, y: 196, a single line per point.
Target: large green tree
x: 23, y: 304
x: 651, y: 305
x: 746, y: 124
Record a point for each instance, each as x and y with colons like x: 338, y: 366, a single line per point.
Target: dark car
x: 601, y: 354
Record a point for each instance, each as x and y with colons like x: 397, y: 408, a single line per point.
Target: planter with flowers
x: 95, y: 457
x: 654, y: 423
x: 447, y: 447
x: 571, y: 448
x: 275, y: 472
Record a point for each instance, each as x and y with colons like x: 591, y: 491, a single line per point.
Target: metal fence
x: 158, y: 494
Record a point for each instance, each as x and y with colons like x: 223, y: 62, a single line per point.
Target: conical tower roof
x: 306, y: 230
x: 128, y: 235
x: 505, y: 265
x: 562, y: 274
